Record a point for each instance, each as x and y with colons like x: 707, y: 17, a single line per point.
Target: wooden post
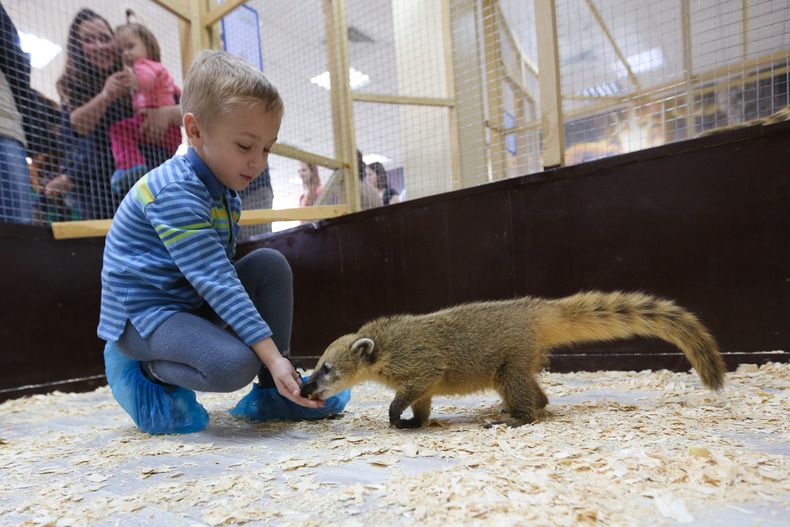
x: 685, y: 20
x: 342, y: 105
x: 550, y: 86
x: 452, y: 112
x: 495, y: 78
x: 745, y: 27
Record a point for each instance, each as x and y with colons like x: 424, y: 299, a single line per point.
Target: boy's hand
x: 285, y: 377
x: 288, y: 380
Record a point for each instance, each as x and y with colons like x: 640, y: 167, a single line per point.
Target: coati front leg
x: 521, y: 394
x: 420, y: 405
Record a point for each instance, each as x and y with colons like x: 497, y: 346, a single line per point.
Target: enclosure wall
x: 690, y: 221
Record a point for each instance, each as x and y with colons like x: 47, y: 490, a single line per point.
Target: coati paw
x: 406, y: 423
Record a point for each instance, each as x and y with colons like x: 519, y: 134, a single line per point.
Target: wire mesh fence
x: 441, y: 94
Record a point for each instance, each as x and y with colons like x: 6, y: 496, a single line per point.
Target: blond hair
x: 217, y: 81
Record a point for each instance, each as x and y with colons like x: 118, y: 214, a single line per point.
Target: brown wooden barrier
x: 704, y: 222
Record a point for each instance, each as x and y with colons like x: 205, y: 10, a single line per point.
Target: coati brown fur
x: 501, y: 344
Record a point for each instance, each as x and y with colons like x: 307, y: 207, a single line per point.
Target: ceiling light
x: 356, y: 78
x: 375, y: 158
x: 41, y: 50
x: 649, y: 60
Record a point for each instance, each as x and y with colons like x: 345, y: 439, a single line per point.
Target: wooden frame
x: 550, y: 85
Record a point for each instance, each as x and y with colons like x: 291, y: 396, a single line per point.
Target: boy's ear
x: 192, y: 129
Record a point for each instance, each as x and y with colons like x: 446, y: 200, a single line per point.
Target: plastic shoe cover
x: 123, y: 178
x: 266, y: 404
x: 154, y: 408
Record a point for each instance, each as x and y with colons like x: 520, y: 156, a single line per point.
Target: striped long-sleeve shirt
x: 169, y: 249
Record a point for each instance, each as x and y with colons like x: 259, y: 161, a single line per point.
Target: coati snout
x: 337, y: 369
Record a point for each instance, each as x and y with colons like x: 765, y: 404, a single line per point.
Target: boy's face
x: 236, y: 144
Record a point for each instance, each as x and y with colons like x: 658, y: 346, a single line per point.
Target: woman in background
x: 95, y: 91
x: 311, y: 184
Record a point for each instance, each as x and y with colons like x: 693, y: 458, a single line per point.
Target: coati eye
x: 327, y: 367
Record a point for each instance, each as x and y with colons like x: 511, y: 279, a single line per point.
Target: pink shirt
x: 155, y: 86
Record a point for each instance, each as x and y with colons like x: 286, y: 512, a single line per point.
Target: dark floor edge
x: 560, y: 363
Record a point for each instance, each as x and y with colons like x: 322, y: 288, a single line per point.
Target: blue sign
x: 241, y: 35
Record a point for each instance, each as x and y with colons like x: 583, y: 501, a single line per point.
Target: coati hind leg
x: 420, y: 404
x: 521, y: 394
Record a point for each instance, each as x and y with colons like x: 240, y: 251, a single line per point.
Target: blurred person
x: 376, y: 176
x: 154, y: 87
x: 311, y: 184
x: 95, y: 93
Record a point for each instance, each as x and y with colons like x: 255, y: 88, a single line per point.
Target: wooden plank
x: 176, y: 7
x: 216, y: 14
x: 258, y: 216
x: 63, y: 230
x: 617, y: 51
x: 550, y: 85
x: 685, y: 22
x: 292, y: 152
x: 495, y: 78
x: 402, y: 99
x: 455, y: 155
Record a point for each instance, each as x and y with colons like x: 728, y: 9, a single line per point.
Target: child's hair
x: 148, y: 38
x: 217, y: 80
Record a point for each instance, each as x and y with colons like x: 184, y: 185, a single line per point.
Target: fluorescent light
x: 608, y: 89
x: 649, y: 60
x: 356, y: 78
x: 41, y: 50
x: 375, y: 158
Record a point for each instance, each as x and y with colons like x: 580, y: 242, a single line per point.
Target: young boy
x: 169, y: 288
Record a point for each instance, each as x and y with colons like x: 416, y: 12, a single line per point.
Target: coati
x: 499, y: 344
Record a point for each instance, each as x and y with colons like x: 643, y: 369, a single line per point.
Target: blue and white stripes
x: 169, y: 249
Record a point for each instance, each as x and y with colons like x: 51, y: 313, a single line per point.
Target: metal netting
x: 442, y: 94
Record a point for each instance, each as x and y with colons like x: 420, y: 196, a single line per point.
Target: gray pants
x: 196, y: 351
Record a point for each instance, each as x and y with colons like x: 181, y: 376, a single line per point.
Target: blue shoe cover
x: 266, y: 404
x: 154, y: 408
x: 123, y: 178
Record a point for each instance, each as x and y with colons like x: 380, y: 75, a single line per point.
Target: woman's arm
x: 158, y: 120
x: 85, y: 118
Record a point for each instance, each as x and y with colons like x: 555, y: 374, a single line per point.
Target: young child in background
x: 155, y: 88
x: 169, y: 287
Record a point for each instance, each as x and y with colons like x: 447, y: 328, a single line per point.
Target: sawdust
x: 617, y: 448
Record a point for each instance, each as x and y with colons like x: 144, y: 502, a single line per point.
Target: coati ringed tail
x: 500, y: 345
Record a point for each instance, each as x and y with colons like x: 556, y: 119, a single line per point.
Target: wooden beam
x: 200, y: 38
x: 176, y: 7
x: 342, y: 103
x: 745, y: 27
x: 292, y: 152
x: 97, y: 228
x: 550, y: 85
x: 317, y: 212
x: 621, y: 57
x: 495, y: 78
x: 402, y: 99
x: 62, y: 230
x: 685, y: 21
x: 216, y: 14
x: 523, y: 57
x: 452, y: 113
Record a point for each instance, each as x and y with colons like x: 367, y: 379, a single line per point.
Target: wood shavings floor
x: 618, y: 448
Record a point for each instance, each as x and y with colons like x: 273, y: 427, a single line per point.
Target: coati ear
x: 365, y: 347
